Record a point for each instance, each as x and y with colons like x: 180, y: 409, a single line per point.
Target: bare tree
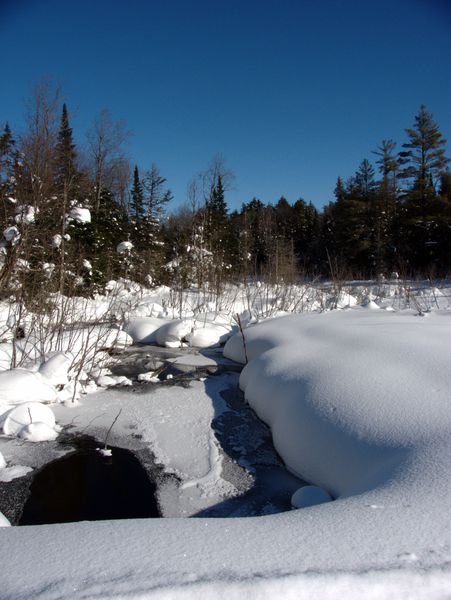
x: 105, y: 141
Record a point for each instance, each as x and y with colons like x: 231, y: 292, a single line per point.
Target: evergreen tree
x: 8, y: 164
x: 65, y: 155
x: 385, y: 202
x: 424, y: 158
x: 364, y: 179
x: 216, y: 218
x: 137, y: 210
x: 421, y: 212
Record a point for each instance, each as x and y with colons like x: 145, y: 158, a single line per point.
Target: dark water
x: 86, y: 486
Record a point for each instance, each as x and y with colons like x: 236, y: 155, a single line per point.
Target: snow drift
x: 350, y: 397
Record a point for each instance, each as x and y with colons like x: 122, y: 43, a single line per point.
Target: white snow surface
x: 79, y: 214
x: 358, y: 404
x: 21, y: 385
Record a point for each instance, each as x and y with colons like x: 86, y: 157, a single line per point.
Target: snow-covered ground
x: 358, y: 404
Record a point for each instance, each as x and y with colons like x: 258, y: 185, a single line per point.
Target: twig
x: 111, y: 427
x: 240, y: 325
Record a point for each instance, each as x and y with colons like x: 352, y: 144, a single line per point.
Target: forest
x: 74, y: 217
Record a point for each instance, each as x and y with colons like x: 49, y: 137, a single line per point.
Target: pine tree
x: 137, y: 211
x: 423, y: 162
x: 424, y: 158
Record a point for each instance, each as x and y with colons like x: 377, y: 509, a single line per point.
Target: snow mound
x: 38, y: 432
x: 309, y: 495
x: 143, y: 329
x: 20, y: 385
x: 350, y: 395
x: 209, y: 336
x: 173, y: 333
x: 55, y: 368
x: 2, y: 461
x: 25, y: 415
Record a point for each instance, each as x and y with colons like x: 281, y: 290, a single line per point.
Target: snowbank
x: 20, y: 385
x: 358, y: 403
x: 350, y: 396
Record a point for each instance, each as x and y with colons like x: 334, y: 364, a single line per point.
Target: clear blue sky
x: 291, y: 93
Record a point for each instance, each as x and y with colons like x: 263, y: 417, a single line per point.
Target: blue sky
x: 291, y: 93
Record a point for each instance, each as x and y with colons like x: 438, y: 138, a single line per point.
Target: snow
x: 9, y: 473
x: 55, y: 368
x: 38, y: 432
x: 79, y: 214
x: 170, y: 335
x: 25, y: 214
x: 12, y: 235
x: 28, y: 413
x: 143, y: 329
x: 309, y: 495
x: 20, y: 385
x: 357, y: 400
x: 208, y: 336
x: 124, y: 247
x: 4, y: 521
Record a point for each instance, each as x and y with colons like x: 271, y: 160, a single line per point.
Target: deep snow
x: 358, y: 404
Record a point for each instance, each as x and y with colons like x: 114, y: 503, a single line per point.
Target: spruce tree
x: 65, y: 154
x: 137, y: 211
x: 8, y: 164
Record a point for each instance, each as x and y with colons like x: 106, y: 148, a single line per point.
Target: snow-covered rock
x: 26, y: 414
x: 55, y: 368
x: 2, y: 461
x: 171, y: 334
x: 20, y: 385
x: 38, y: 432
x: 208, y: 336
x: 143, y: 329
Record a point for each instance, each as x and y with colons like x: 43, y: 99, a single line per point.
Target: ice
x: 9, y: 473
x: 4, y: 521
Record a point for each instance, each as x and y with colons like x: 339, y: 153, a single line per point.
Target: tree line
x: 73, y: 218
